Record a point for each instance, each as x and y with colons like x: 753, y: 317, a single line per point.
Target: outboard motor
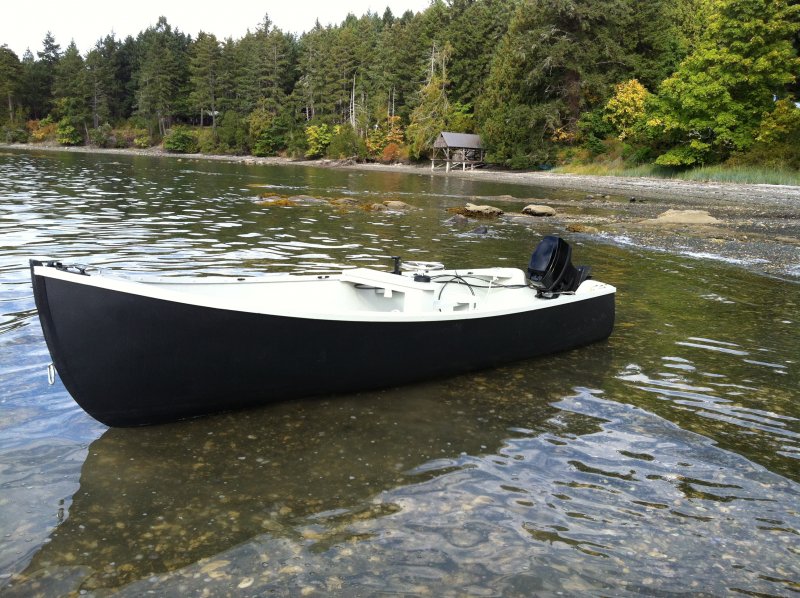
x: 551, y: 271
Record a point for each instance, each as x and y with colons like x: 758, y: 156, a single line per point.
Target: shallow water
x: 665, y: 460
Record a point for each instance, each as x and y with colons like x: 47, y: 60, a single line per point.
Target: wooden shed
x: 457, y: 149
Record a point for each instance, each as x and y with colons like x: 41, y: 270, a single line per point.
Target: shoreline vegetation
x: 667, y: 88
x: 755, y: 226
x: 645, y: 187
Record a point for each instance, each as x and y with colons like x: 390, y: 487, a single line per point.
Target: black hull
x: 131, y: 360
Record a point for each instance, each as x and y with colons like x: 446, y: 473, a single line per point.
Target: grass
x: 718, y: 173
x: 742, y: 174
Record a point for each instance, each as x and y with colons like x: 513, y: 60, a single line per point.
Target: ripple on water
x: 636, y: 506
x: 490, y: 484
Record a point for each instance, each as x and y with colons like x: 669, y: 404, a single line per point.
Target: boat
x: 136, y: 350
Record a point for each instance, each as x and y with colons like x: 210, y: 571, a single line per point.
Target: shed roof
x: 462, y: 140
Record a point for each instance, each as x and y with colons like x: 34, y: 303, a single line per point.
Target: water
x: 664, y: 461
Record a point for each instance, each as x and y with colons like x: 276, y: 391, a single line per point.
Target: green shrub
x: 180, y: 140
x: 232, y: 132
x: 296, y: 143
x: 67, y: 134
x: 42, y: 130
x: 206, y: 140
x: 318, y: 137
x: 126, y: 137
x: 103, y: 136
x: 142, y: 141
x: 14, y: 134
x: 345, y: 143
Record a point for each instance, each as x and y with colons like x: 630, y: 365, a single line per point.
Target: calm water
x: 664, y: 461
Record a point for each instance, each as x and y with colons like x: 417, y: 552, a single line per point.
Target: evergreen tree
x: 124, y: 94
x: 231, y: 66
x: 401, y: 58
x: 713, y: 105
x: 558, y: 59
x: 205, y: 58
x: 70, y: 89
x: 430, y: 116
x: 10, y: 77
x: 108, y: 74
x: 266, y: 68
x: 656, y: 39
x: 101, y: 80
x: 162, y: 74
x: 38, y: 74
x: 474, y: 29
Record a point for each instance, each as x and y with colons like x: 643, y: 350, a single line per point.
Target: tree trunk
x: 353, y: 104
x: 573, y: 98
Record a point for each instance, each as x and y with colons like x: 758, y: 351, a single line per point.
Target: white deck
x: 360, y: 294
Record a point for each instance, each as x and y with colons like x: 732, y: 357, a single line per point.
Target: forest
x: 671, y: 83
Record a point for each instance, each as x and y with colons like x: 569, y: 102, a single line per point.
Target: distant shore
x: 645, y: 188
x: 755, y: 226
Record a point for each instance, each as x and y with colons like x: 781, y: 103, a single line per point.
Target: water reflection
x: 378, y: 495
x: 157, y: 499
x: 663, y: 461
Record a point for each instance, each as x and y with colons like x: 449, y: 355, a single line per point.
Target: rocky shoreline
x: 752, y: 226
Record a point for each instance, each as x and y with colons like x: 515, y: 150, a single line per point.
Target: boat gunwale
x: 154, y: 288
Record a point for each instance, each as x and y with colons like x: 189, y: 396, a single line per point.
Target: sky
x: 24, y: 26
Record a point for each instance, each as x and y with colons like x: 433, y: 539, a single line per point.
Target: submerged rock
x: 344, y: 201
x: 397, y: 205
x: 476, y: 211
x: 683, y: 217
x: 306, y: 200
x: 480, y: 230
x: 581, y: 228
x: 538, y: 210
x: 457, y: 220
x: 275, y: 200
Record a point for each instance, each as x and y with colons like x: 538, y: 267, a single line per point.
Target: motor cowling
x: 551, y: 271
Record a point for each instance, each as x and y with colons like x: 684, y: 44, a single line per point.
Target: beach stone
x: 397, y: 205
x: 275, y: 201
x: 344, y: 201
x: 306, y: 200
x: 581, y: 228
x: 683, y: 217
x: 457, y: 220
x: 537, y: 210
x: 482, y: 211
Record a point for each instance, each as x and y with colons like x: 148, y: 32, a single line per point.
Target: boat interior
x: 365, y: 290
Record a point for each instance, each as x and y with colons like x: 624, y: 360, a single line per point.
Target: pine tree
x: 430, y: 116
x: 474, y: 29
x: 558, y: 59
x: 266, y: 68
x: 38, y: 75
x: 70, y: 89
x: 205, y: 56
x: 10, y: 75
x: 162, y: 73
x: 101, y: 79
